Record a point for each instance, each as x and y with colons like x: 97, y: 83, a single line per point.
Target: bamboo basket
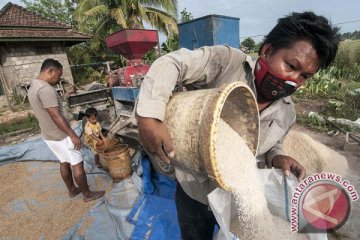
x: 101, y: 147
x: 118, y: 161
x: 193, y: 117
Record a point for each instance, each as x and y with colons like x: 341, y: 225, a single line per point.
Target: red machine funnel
x: 132, y: 43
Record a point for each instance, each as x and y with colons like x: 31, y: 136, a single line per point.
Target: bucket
x: 192, y: 119
x: 118, y: 161
x: 101, y: 147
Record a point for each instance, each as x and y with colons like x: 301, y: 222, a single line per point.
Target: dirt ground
x: 6, y: 115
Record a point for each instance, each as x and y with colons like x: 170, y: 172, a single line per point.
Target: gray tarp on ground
x: 109, y: 216
x: 32, y: 150
x: 36, y: 149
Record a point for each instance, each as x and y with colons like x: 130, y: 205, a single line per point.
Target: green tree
x: 102, y: 17
x: 249, y: 43
x: 172, y: 42
x: 350, y: 35
x: 58, y: 10
x: 185, y: 16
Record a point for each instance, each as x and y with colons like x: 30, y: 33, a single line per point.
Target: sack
x: 278, y: 191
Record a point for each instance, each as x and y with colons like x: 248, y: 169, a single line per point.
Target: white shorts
x: 64, y: 151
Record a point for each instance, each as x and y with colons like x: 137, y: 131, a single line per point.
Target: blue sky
x: 257, y: 17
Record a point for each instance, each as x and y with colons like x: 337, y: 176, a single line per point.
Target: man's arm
x: 276, y: 157
x: 288, y: 164
x: 63, y: 125
x: 201, y: 66
x: 155, y: 138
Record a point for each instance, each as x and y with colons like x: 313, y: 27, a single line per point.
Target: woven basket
x: 192, y: 119
x: 101, y: 147
x: 118, y: 161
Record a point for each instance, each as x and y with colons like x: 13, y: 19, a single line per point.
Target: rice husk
x: 47, y: 210
x: 313, y: 155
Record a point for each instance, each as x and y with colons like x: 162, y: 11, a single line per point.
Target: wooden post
x: 6, y: 88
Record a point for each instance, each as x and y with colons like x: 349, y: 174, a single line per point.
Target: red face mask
x: 269, y: 86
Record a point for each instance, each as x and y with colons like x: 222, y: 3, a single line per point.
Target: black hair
x: 91, y: 112
x: 309, y: 27
x: 50, y: 63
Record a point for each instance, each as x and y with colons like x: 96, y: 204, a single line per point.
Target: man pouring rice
x: 296, y: 48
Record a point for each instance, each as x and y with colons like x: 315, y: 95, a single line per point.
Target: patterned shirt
x: 211, y: 67
x: 89, y: 130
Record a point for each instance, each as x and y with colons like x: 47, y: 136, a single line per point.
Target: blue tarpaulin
x: 157, y: 219
x: 154, y: 215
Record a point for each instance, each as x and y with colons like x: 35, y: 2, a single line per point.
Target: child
x: 92, y: 133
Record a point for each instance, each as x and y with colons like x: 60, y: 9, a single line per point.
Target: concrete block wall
x: 3, y: 102
x: 21, y: 63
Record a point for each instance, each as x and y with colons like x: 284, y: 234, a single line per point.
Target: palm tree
x: 103, y: 17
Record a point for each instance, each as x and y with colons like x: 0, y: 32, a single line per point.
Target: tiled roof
x: 17, y: 22
x: 42, y: 33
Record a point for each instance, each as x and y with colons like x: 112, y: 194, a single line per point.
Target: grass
x: 313, y: 123
x: 337, y: 104
x: 29, y: 122
x: 334, y: 87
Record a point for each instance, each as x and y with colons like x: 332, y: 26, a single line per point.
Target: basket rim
x: 211, y: 164
x: 110, y: 158
x: 122, y: 148
x: 102, y: 148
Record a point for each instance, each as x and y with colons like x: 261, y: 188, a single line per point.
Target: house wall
x: 3, y: 102
x: 21, y: 62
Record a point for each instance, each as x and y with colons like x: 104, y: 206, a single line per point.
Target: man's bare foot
x: 93, y: 196
x: 74, y: 192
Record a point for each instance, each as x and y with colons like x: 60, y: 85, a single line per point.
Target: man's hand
x: 155, y: 138
x: 77, y: 142
x: 288, y: 164
x: 63, y: 125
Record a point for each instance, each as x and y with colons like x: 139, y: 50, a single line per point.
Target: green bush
x: 335, y: 88
x: 85, y: 75
x: 323, y: 82
x: 347, y: 61
x: 26, y: 123
x: 313, y: 122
